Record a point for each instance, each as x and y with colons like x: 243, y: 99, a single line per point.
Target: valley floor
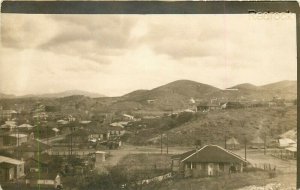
x: 286, y: 169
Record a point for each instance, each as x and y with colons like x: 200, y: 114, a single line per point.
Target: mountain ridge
x: 55, y: 95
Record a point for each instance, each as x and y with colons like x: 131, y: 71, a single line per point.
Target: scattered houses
x: 16, y: 139
x: 210, y: 160
x: 11, y: 169
x: 8, y: 114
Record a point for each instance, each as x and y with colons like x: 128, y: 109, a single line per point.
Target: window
x: 194, y: 165
x: 188, y: 165
x: 221, y: 166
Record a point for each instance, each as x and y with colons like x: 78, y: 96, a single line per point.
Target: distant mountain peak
x: 244, y: 86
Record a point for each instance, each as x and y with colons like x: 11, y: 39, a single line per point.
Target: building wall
x: 33, y: 182
x: 175, y: 165
x: 100, y: 157
x: 1, y: 141
x: 7, y: 174
x: 2, y: 174
x: 209, y: 169
x: 20, y: 171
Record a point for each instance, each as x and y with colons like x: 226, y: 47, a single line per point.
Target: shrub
x: 252, y: 169
x: 272, y: 174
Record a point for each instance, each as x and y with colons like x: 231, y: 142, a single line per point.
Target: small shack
x: 43, y: 180
x: 257, y: 142
x: 291, y: 152
x: 10, y: 169
x: 232, y: 143
x: 286, y: 142
x: 100, y: 156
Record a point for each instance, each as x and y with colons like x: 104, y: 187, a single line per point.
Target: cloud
x: 26, y: 31
x: 116, y: 54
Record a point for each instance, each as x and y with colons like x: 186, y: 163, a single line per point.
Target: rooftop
x: 213, y: 154
x: 25, y: 126
x: 42, y: 175
x: 32, y: 146
x: 4, y: 159
x: 16, y: 135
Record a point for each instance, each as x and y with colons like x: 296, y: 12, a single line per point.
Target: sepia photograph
x: 148, y: 101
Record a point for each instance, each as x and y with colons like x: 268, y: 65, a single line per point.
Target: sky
x: 116, y: 54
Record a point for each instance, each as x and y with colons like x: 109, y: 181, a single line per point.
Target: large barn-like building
x: 210, y: 160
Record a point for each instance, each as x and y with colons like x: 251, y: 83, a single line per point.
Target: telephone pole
x: 265, y: 143
x: 161, y: 143
x: 167, y: 144
x: 245, y: 148
x: 225, y: 141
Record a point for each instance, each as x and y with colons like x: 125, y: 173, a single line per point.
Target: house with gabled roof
x: 232, y: 143
x: 10, y: 169
x: 30, y: 148
x: 207, y: 106
x: 210, y: 160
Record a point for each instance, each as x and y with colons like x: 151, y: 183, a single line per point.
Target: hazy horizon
x: 103, y: 94
x: 116, y: 54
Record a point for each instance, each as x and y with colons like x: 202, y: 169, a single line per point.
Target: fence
x: 74, y: 153
x: 155, y: 179
x: 284, y: 154
x: 264, y: 166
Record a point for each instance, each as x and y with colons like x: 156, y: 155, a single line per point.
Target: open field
x: 149, y: 157
x: 230, y: 182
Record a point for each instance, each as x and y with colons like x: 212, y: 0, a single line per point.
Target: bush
x: 252, y: 169
x: 272, y: 174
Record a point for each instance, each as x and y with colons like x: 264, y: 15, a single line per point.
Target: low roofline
x: 193, y: 153
x: 233, y: 154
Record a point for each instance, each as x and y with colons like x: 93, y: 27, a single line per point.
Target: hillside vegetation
x: 211, y: 127
x: 166, y: 98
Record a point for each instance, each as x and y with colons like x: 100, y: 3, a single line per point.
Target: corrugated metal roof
x: 25, y: 126
x: 213, y: 154
x: 232, y: 141
x: 292, y: 149
x: 4, y: 159
x: 16, y: 135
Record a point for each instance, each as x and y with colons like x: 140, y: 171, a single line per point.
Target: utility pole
x: 265, y: 142
x: 71, y: 140
x: 161, y: 143
x: 18, y: 139
x: 225, y: 141
x: 47, y: 136
x: 245, y: 148
x: 167, y: 144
